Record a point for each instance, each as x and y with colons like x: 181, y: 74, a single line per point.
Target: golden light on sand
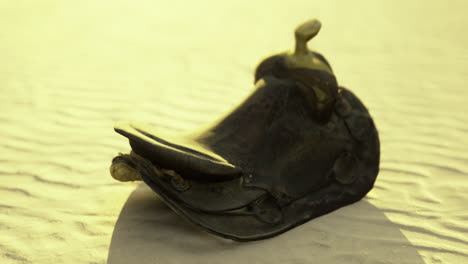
x: 70, y: 69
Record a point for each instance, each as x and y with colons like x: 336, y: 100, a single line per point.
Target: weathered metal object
x: 298, y: 147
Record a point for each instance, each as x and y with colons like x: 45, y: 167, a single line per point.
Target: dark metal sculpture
x: 298, y: 147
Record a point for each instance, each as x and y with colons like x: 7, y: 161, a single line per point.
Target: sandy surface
x: 70, y: 69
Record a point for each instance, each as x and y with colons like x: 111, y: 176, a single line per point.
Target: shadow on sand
x: 147, y: 231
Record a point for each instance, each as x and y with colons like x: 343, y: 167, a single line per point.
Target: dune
x: 70, y: 69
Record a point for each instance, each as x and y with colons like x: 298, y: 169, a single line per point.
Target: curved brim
x: 171, y: 151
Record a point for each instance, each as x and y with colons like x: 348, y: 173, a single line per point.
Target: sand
x: 70, y: 69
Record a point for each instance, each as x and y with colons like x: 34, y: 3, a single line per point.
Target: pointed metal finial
x: 301, y: 57
x: 304, y: 33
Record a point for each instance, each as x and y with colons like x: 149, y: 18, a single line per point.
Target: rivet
x: 180, y: 186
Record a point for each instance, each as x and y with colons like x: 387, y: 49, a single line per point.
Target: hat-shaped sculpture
x: 299, y: 146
